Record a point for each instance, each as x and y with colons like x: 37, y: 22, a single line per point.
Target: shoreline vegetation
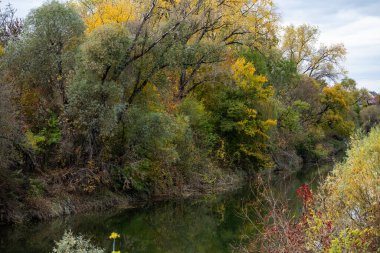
x: 342, y: 215
x: 109, y: 102
x: 67, y: 203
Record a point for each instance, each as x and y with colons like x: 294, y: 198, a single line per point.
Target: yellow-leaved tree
x: 300, y: 45
x: 240, y: 105
x: 252, y: 125
x: 335, y: 115
x: 101, y: 12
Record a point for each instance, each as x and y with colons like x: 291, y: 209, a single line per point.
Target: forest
x: 103, y: 102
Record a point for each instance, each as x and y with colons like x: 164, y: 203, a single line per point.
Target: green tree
x: 241, y: 122
x: 38, y: 65
x: 43, y: 58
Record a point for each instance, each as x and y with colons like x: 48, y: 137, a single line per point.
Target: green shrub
x: 47, y: 137
x: 370, y: 117
x: 200, y: 122
x: 36, y: 187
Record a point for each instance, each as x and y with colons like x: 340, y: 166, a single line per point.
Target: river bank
x: 211, y: 218
x: 212, y: 222
x: 46, y: 202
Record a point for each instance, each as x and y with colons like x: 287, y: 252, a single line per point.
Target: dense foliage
x: 342, y: 217
x: 158, y: 96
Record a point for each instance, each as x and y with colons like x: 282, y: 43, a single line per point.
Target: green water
x: 209, y: 224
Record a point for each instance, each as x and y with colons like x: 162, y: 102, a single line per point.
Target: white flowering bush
x: 75, y: 244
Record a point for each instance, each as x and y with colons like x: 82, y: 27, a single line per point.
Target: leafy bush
x: 75, y: 244
x: 47, y: 137
x: 370, y: 117
x: 350, y: 196
x: 36, y: 187
x: 346, y: 212
x: 343, y: 217
x: 200, y: 123
x: 149, y: 149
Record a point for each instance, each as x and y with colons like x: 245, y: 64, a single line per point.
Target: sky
x: 354, y: 23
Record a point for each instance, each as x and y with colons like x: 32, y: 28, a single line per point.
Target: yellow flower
x: 116, y: 251
x: 114, y: 235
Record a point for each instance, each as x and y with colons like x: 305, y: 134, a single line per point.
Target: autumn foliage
x: 342, y: 217
x: 157, y: 96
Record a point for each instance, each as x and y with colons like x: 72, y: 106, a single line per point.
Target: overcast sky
x: 352, y: 22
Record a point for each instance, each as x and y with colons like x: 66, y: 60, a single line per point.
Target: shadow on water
x: 209, y: 224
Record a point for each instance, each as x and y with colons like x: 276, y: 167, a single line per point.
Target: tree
x: 10, y: 26
x: 43, y: 58
x: 320, y: 63
x: 370, y: 117
x: 97, y: 13
x: 238, y: 107
x: 14, y: 157
x: 10, y: 129
x: 335, y: 111
x: 211, y: 32
x: 193, y: 33
x: 166, y: 43
x: 37, y: 66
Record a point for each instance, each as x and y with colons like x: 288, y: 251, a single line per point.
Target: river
x: 209, y: 224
